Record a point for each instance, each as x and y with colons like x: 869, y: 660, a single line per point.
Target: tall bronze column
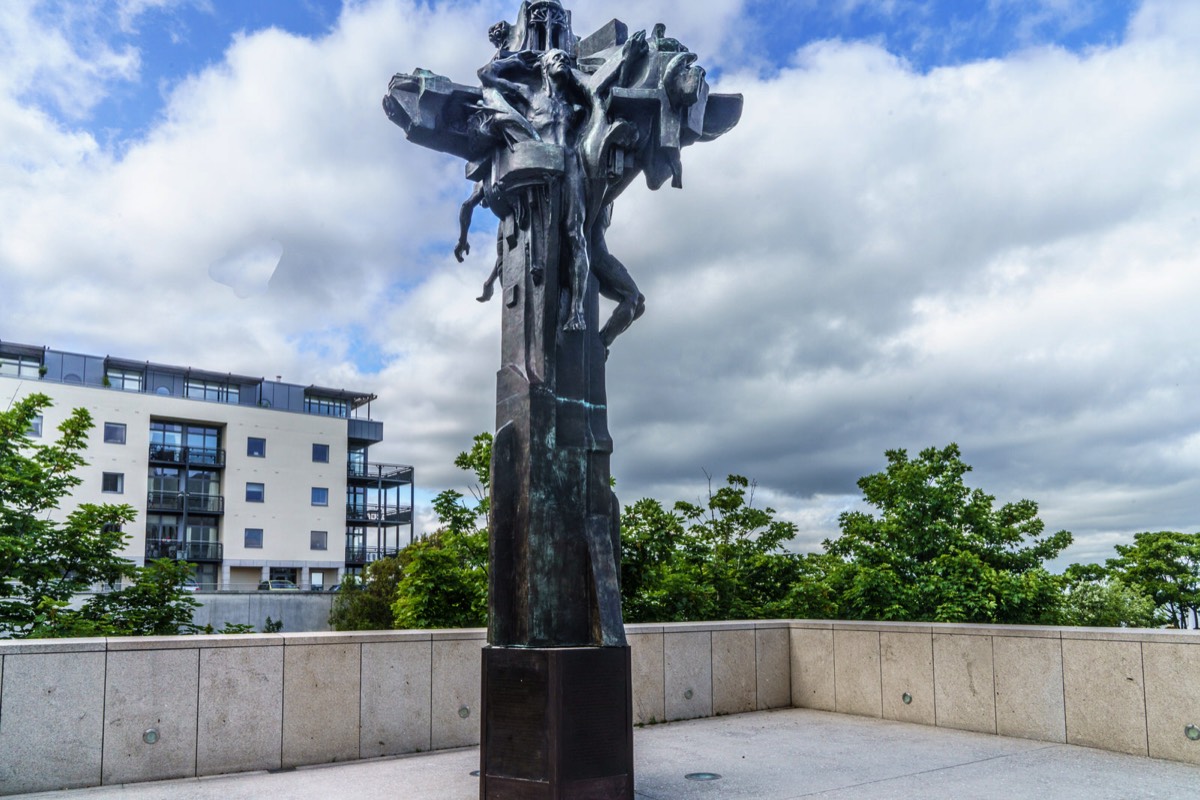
x: 557, y: 130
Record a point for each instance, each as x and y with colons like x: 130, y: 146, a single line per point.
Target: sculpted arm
x: 491, y: 74
x: 464, y: 221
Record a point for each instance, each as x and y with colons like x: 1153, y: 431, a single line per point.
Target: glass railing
x: 184, y: 551
x: 178, y: 454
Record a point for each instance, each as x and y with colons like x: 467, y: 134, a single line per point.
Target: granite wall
x: 85, y: 712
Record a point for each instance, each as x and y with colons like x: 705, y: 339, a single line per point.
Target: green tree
x: 939, y: 551
x: 1166, y: 566
x: 44, y: 562
x: 152, y: 605
x: 721, y: 560
x: 1092, y: 597
x: 444, y: 578
x: 366, y: 605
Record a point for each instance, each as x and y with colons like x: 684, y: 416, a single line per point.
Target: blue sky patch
x: 935, y: 33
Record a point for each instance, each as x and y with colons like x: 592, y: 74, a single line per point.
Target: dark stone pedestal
x: 557, y: 724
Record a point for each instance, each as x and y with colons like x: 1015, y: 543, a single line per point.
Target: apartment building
x: 248, y: 479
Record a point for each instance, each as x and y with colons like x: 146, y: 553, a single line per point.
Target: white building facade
x: 247, y: 479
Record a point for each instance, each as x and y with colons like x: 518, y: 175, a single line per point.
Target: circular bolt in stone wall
x: 150, y: 736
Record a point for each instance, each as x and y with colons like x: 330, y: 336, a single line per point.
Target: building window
x: 211, y: 390
x: 113, y: 483
x: 123, y: 379
x: 256, y: 448
x: 320, y: 454
x: 326, y: 407
x: 318, y: 540
x: 255, y: 493
x: 254, y: 538
x: 20, y: 367
x: 114, y: 432
x: 320, y: 496
x: 35, y: 427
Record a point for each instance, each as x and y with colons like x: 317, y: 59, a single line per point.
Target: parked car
x: 189, y: 585
x: 278, y: 585
x: 337, y: 587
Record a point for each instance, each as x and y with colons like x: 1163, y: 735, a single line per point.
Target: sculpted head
x: 555, y: 63
x: 684, y: 80
x: 498, y: 34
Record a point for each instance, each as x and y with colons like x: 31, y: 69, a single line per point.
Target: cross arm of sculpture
x: 627, y: 112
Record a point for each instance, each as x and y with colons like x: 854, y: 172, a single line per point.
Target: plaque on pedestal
x: 557, y: 724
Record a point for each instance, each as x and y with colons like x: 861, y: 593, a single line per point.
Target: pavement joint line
x: 947, y: 768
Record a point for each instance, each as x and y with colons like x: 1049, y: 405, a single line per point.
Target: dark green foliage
x: 722, y: 560
x: 366, y: 605
x: 444, y: 576
x: 444, y: 583
x: 272, y: 625
x: 43, y: 562
x: 439, y: 581
x: 1092, y: 597
x: 1165, y: 566
x: 941, y: 552
x: 152, y: 606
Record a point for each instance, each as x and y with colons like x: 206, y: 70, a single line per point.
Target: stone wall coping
x: 460, y: 634
x: 1161, y: 636
x: 125, y: 643
x: 884, y: 627
x: 811, y: 624
x: 14, y: 647
x: 697, y: 627
x: 33, y: 646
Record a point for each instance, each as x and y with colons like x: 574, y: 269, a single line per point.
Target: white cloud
x: 1001, y: 254
x: 53, y: 51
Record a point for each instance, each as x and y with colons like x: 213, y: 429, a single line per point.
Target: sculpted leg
x: 616, y: 284
x: 576, y: 204
x: 489, y: 284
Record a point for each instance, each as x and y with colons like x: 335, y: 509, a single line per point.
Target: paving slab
x: 772, y: 755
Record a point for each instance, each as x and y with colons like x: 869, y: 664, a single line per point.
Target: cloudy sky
x: 939, y: 221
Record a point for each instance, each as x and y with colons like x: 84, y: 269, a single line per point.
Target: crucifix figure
x: 556, y: 130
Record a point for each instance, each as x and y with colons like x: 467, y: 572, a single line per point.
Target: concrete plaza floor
x: 777, y: 755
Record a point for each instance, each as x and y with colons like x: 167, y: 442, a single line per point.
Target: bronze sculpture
x: 558, y: 129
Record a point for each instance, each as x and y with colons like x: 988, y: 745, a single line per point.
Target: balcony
x: 184, y: 551
x: 365, y: 430
x: 361, y: 554
x: 376, y: 473
x: 192, y: 456
x: 357, y: 513
x: 178, y: 502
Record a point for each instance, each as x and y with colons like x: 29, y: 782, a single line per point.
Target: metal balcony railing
x: 177, y: 454
x: 392, y: 473
x: 361, y: 554
x: 193, y: 503
x: 378, y: 514
x: 184, y: 551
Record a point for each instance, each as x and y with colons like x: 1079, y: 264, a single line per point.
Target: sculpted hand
x: 463, y: 248
x: 636, y: 45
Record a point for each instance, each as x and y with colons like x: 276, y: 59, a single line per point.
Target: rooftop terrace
x: 775, y: 755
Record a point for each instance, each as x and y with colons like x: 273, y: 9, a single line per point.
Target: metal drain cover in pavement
x: 702, y: 776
